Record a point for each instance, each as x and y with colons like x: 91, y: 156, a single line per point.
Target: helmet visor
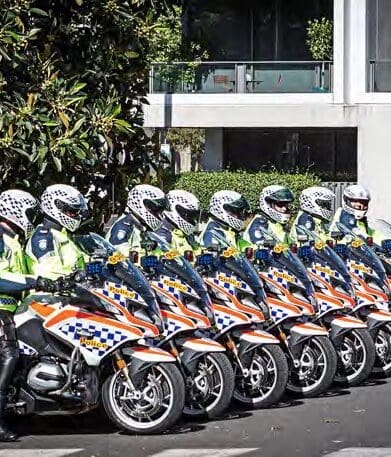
x: 358, y: 204
x: 33, y: 215
x: 192, y: 216
x: 239, y: 209
x: 324, y: 204
x: 281, y: 196
x: 157, y: 206
x: 74, y: 211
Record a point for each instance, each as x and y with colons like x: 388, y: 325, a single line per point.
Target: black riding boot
x: 6, y: 435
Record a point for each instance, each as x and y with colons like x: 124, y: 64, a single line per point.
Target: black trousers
x: 9, y: 350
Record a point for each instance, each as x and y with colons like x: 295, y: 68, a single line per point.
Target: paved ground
x: 332, y: 424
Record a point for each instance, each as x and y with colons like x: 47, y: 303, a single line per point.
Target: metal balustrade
x: 241, y: 77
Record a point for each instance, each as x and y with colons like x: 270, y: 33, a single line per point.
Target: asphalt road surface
x: 334, y: 425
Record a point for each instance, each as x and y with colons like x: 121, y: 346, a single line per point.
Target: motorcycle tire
x: 212, y: 389
x: 163, y: 383
x: 363, y: 357
x: 272, y: 367
x: 382, y: 341
x: 314, y: 348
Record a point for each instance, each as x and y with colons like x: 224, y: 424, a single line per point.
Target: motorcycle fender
x: 302, y: 332
x: 376, y: 319
x: 201, y: 345
x: 149, y: 354
x: 258, y: 337
x: 339, y: 325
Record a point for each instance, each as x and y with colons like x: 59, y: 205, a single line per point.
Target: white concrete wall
x: 213, y: 156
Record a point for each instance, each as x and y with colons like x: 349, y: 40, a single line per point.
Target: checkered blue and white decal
x: 231, y: 283
x: 25, y: 349
x: 277, y: 313
x: 175, y: 286
x: 281, y: 276
x: 100, y: 339
x: 120, y: 293
x: 324, y: 271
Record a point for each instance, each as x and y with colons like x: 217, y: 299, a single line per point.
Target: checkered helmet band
x: 216, y: 208
x: 317, y: 201
x: 138, y: 201
x: 57, y: 195
x: 179, y: 201
x: 15, y: 206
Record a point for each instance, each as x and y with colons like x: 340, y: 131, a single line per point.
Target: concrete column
x: 374, y: 158
x: 339, y: 51
x: 213, y: 157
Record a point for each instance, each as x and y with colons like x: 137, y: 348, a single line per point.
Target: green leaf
x: 132, y: 54
x: 57, y: 163
x: 77, y: 125
x: 77, y: 88
x: 64, y: 118
x: 38, y: 11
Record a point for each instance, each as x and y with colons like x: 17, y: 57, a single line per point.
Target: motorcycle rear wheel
x: 382, y: 342
x: 160, y: 406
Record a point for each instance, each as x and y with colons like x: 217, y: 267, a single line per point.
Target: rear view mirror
x: 336, y: 235
x: 302, y: 238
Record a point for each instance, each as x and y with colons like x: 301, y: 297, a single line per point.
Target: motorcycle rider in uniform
x: 180, y: 221
x: 144, y: 211
x: 353, y: 213
x: 51, y: 251
x: 315, y: 212
x: 274, y: 202
x: 18, y: 210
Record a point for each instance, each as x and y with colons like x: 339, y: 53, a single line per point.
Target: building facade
x: 264, y: 102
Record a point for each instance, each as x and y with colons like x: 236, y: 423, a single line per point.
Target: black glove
x: 46, y: 285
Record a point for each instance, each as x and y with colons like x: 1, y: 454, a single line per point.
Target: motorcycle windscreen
x: 183, y: 269
x: 124, y: 271
x: 363, y: 253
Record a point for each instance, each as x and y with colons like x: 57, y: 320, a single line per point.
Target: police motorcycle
x: 79, y: 345
x: 290, y: 297
x: 372, y: 290
x: 383, y: 251
x: 187, y: 314
x: 260, y: 366
x: 336, y: 300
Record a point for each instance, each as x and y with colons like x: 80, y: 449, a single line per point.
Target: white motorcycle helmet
x: 147, y: 204
x: 230, y: 207
x: 20, y: 209
x: 275, y: 202
x: 184, y: 210
x: 317, y: 201
x: 65, y: 205
x: 356, y: 201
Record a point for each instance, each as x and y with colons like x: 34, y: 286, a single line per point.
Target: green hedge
x: 204, y: 184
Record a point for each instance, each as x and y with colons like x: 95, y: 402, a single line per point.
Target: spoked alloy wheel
x: 382, y: 365
x: 210, y: 388
x: 156, y: 405
x: 316, y: 369
x: 356, y: 356
x: 265, y: 378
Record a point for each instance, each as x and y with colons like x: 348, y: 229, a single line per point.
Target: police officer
x: 353, y: 213
x: 315, y: 212
x: 144, y: 211
x: 275, y: 205
x: 18, y: 210
x: 51, y: 250
x: 228, y: 212
x: 180, y: 221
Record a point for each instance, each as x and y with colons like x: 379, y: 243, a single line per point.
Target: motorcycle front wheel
x: 210, y: 388
x: 315, y: 370
x: 264, y: 380
x: 382, y: 342
x: 156, y: 406
x: 356, y: 357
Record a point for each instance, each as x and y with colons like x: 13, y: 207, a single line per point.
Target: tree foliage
x: 320, y: 38
x: 72, y: 84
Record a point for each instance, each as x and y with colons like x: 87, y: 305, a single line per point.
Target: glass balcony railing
x: 241, y: 77
x: 379, y: 76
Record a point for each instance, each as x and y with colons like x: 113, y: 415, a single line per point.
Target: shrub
x: 204, y: 184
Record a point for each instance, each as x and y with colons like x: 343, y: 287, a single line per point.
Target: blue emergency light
x: 204, y: 260
x: 340, y: 249
x: 94, y: 268
x: 262, y: 254
x: 305, y: 251
x: 386, y: 245
x: 149, y: 261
